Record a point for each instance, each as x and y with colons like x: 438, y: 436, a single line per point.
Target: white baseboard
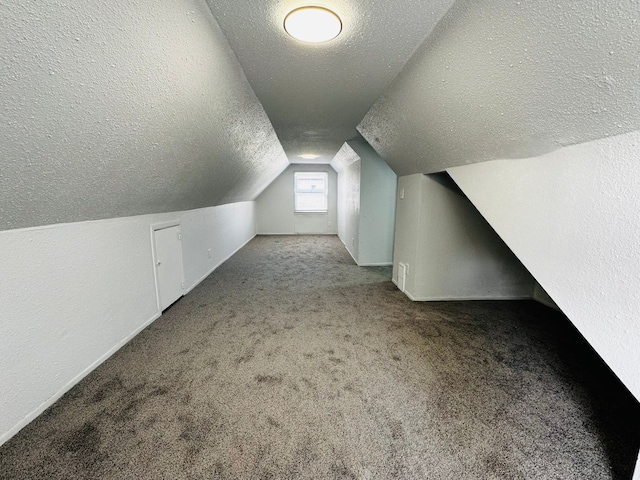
x: 197, y: 282
x: 350, y: 254
x: 294, y: 233
x: 367, y: 264
x: 54, y: 398
x: 466, y: 298
x: 547, y: 303
x: 382, y: 264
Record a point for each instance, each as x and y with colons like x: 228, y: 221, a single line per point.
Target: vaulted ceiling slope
x: 111, y: 109
x: 142, y: 107
x: 511, y: 79
x: 315, y: 95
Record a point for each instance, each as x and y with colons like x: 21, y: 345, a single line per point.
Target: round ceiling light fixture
x: 313, y: 24
x: 309, y: 156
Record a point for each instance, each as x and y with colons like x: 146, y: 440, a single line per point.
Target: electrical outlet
x: 209, y: 253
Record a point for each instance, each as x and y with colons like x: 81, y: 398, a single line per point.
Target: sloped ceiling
x: 503, y: 79
x: 345, y: 157
x: 315, y: 95
x: 142, y: 107
x: 115, y: 109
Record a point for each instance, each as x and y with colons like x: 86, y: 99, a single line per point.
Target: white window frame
x: 298, y: 207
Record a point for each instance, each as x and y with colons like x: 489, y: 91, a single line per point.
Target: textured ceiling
x: 113, y: 110
x: 155, y: 105
x: 315, y: 95
x: 509, y: 80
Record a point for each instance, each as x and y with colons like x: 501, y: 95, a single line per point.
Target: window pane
x: 311, y: 202
x: 311, y: 191
x: 308, y: 185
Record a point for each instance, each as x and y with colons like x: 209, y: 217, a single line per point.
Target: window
x: 311, y: 190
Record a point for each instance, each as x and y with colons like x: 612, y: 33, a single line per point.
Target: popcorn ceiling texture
x: 315, y: 95
x: 509, y: 80
x: 116, y: 109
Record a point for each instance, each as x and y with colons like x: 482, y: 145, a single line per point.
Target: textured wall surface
x: 72, y: 294
x: 571, y: 217
x: 114, y: 109
x: 509, y: 80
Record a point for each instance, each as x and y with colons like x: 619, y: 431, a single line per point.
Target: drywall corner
x: 540, y: 295
x: 452, y: 252
x: 378, y: 186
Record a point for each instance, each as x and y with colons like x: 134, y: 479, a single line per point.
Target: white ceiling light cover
x: 313, y: 24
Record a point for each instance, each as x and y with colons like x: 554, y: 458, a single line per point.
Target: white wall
x: 366, y: 203
x: 275, y: 213
x: 349, y: 204
x: 72, y: 294
x: 572, y: 218
x: 348, y: 165
x: 407, y: 228
x: 451, y: 251
x: 377, y: 207
x: 223, y: 229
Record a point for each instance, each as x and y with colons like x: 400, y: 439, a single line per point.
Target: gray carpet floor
x: 291, y: 362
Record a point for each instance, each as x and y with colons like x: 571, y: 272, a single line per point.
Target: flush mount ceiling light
x: 313, y: 24
x: 309, y: 156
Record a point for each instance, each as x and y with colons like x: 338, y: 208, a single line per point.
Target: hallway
x: 289, y: 361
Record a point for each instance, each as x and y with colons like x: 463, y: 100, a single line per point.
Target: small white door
x: 168, y: 243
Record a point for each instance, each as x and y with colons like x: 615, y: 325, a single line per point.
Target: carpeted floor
x: 291, y: 362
